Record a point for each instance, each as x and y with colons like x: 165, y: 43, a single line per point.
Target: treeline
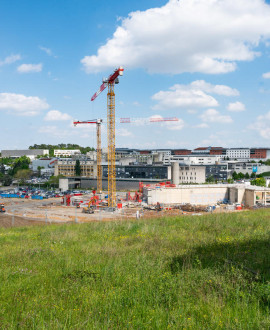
x: 61, y: 146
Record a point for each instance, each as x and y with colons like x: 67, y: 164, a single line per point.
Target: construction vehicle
x: 110, y: 82
x: 91, y: 205
x: 2, y: 208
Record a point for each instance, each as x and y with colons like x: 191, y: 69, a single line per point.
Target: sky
x: 204, y: 62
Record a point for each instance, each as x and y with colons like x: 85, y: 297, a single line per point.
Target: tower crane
x: 99, y: 156
x: 110, y: 82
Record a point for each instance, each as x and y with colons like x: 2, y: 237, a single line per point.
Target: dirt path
x: 6, y: 221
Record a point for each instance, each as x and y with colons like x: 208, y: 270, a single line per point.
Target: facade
x: 66, y: 167
x: 46, y: 163
x: 238, y: 153
x: 30, y: 153
x: 260, y: 153
x: 66, y: 153
x: 192, y: 174
x: 245, y: 167
x: 140, y: 172
x: 218, y: 172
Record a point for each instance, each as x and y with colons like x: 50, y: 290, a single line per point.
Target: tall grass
x: 183, y: 272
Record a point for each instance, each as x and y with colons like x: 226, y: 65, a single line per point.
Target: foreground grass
x: 188, y: 272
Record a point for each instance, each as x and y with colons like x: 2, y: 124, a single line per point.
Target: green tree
x: 23, y: 175
x: 247, y: 176
x: 6, y: 180
x: 252, y: 175
x: 241, y: 175
x: 2, y: 169
x: 54, y: 180
x: 210, y: 179
x: 258, y: 182
x: 78, y: 169
x: 39, y: 168
x: 21, y: 163
x: 235, y: 176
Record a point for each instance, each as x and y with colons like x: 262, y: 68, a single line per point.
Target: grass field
x: 188, y: 272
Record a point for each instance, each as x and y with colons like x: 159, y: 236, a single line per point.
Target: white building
x: 192, y: 174
x: 197, y: 160
x: 238, y: 153
x: 30, y: 153
x: 66, y: 153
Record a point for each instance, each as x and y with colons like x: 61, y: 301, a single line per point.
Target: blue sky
x: 205, y: 62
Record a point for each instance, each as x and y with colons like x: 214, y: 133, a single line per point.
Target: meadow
x: 188, y: 272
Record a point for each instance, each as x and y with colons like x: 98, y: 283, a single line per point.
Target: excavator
x: 91, y: 205
x: 2, y: 208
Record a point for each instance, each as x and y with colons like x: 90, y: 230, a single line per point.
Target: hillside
x: 184, y: 272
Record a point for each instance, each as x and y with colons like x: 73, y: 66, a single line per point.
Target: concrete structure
x: 175, y: 173
x: 208, y: 194
x: 192, y: 174
x: 66, y: 153
x: 30, y: 153
x: 66, y: 167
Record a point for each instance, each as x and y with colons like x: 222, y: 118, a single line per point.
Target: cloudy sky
x: 205, y: 62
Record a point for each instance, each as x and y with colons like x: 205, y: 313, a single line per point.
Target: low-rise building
x: 66, y: 167
x: 66, y: 153
x: 192, y: 174
x: 30, y: 153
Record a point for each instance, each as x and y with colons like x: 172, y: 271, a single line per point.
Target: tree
x: 2, y: 168
x: 6, y: 180
x: 252, y: 175
x: 54, y: 180
x: 21, y: 163
x: 258, y: 182
x: 235, y: 176
x: 23, y: 175
x: 210, y: 179
x: 78, y: 169
x: 39, y: 168
x: 247, y: 176
x: 241, y: 175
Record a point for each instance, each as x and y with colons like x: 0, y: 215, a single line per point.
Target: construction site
x: 149, y: 200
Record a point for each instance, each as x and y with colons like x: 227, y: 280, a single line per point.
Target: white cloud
x: 55, y: 115
x: 20, y: 104
x: 54, y: 131
x: 48, y: 51
x: 26, y: 68
x: 262, y: 126
x: 213, y: 116
x: 123, y: 132
x: 236, y: 107
x: 10, y: 59
x: 207, y: 36
x: 202, y: 125
x: 180, y: 96
x: 214, y: 89
x: 266, y: 75
x: 195, y: 94
x: 192, y: 112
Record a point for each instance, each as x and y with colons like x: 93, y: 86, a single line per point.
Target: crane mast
x: 99, y: 155
x: 110, y: 82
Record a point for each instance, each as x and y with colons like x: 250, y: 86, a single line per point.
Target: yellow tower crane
x: 110, y: 82
x: 99, y: 155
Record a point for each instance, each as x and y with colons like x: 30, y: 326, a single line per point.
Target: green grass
x: 188, y: 272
